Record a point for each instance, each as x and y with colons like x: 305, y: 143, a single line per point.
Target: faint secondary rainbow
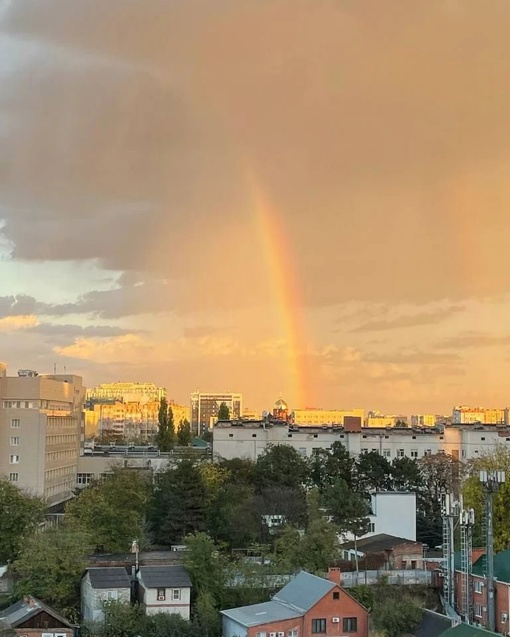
x: 284, y: 282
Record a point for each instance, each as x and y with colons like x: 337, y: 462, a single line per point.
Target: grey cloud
x: 129, y: 139
x: 413, y: 320
x: 60, y: 333
x: 473, y: 340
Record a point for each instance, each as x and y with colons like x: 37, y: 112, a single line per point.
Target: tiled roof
x: 305, y: 590
x: 165, y: 576
x: 113, y: 577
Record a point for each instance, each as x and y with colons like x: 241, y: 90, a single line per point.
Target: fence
x: 406, y: 577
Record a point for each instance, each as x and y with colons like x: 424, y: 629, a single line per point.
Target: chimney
x: 335, y: 575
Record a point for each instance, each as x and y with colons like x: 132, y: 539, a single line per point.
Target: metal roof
x: 465, y: 630
x: 432, y: 624
x: 113, y: 577
x: 378, y: 543
x: 258, y: 614
x: 164, y: 576
x: 26, y: 608
x: 501, y: 566
x: 304, y: 591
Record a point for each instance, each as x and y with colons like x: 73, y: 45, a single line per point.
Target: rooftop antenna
x: 450, y: 511
x: 467, y: 521
x: 54, y: 369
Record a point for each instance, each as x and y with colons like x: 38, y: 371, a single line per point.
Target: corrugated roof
x: 165, y: 576
x: 113, y: 577
x: 465, y: 630
x: 25, y: 609
x: 501, y: 566
x: 258, y: 614
x: 305, y: 590
x: 377, y: 543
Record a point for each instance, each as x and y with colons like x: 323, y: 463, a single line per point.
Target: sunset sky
x: 298, y: 197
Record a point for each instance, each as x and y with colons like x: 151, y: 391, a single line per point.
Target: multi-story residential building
x: 471, y: 415
x: 40, y: 432
x: 375, y: 419
x: 423, y: 420
x: 304, y: 417
x: 205, y: 407
x: 127, y: 392
x: 249, y: 440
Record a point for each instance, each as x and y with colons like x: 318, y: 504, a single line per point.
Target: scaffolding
x: 467, y: 520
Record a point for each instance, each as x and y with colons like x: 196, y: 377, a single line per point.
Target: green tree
x: 223, y: 412
x: 184, y: 433
x: 50, y: 566
x: 112, y: 511
x: 280, y: 465
x: 396, y: 617
x: 349, y: 510
x: 205, y: 566
x: 207, y: 616
x: 120, y: 619
x: 407, y: 475
x: 241, y: 470
x: 325, y: 466
x: 474, y: 496
x: 232, y: 517
x: 179, y: 504
x: 319, y: 546
x: 372, y: 472
x: 288, y: 549
x: 165, y: 438
x: 21, y: 513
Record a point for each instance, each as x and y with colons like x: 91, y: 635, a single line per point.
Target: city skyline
x: 276, y: 206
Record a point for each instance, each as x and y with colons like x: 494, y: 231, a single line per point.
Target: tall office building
x: 127, y: 392
x: 470, y: 415
x: 205, y: 407
x: 40, y: 430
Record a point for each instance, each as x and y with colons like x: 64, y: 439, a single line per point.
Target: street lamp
x: 491, y: 482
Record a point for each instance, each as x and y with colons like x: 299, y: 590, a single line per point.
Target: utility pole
x: 491, y: 482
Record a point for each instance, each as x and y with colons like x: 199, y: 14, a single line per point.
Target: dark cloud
x: 412, y: 320
x: 65, y: 333
x: 377, y: 131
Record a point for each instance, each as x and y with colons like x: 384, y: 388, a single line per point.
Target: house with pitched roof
x: 32, y: 618
x: 100, y: 585
x: 308, y: 606
x: 164, y: 589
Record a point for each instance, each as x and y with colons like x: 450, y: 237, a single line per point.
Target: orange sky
x: 130, y: 242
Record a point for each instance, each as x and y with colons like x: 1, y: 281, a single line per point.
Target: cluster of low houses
x: 307, y: 606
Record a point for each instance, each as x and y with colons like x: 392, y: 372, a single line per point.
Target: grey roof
x: 26, y: 608
x: 113, y: 577
x: 258, y: 614
x: 304, y: 591
x: 165, y: 576
x: 378, y: 543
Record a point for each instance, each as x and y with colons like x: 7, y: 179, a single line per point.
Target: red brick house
x: 389, y: 551
x: 308, y: 606
x: 32, y: 618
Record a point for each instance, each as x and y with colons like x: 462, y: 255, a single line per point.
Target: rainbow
x: 286, y: 292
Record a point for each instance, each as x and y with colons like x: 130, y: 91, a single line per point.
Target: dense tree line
x: 284, y: 507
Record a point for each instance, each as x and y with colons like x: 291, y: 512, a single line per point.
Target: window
x: 350, y: 624
x: 288, y: 436
x: 504, y: 618
x: 112, y: 595
x: 261, y: 634
x: 302, y: 451
x: 13, y: 459
x: 336, y: 595
x: 400, y: 453
x: 478, y: 610
x: 254, y: 435
x: 15, y: 423
x: 161, y: 594
x: 230, y: 435
x: 292, y: 633
x: 478, y: 586
x: 413, y: 564
x: 318, y: 626
x: 414, y: 453
x: 13, y: 477
x: 371, y: 527
x: 386, y: 453
x: 14, y: 441
x: 427, y: 452
x: 176, y: 594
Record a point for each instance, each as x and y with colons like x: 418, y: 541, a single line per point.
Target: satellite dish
x: 265, y: 414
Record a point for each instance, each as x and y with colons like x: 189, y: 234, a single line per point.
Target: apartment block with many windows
x: 40, y: 433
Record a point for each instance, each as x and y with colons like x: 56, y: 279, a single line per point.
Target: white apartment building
x: 40, y: 433
x: 463, y: 442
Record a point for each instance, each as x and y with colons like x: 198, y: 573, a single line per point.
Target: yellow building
x: 127, y: 392
x: 315, y: 417
x: 375, y: 419
x: 423, y: 420
x: 470, y: 415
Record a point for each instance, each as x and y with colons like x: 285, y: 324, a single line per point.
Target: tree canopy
x: 223, y: 412
x: 165, y: 438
